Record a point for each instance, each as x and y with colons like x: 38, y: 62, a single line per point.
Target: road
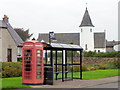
x: 108, y: 85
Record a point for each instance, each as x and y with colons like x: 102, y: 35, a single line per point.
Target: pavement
x: 82, y: 83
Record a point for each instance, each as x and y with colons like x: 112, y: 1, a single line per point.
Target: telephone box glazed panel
x: 32, y: 63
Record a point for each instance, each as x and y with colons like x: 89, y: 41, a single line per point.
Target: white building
x: 87, y: 38
x: 87, y: 33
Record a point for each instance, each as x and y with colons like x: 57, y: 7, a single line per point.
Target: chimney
x: 5, y: 18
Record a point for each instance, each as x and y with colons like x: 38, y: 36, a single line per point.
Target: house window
x: 86, y: 47
x: 91, y: 30
x: 19, y: 52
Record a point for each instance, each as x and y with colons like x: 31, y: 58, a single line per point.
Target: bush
x: 59, y: 68
x: 114, y: 64
x: 76, y: 68
x: 89, y: 54
x: 91, y: 68
x: 84, y: 67
x: 101, y: 54
x: 11, y: 69
x: 103, y: 66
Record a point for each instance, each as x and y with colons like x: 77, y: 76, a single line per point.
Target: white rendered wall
x: 117, y: 47
x: 100, y: 49
x: 8, y: 43
x: 0, y: 45
x: 87, y: 37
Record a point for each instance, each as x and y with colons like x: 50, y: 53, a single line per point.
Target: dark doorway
x: 9, y: 55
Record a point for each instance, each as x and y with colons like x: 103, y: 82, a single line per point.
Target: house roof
x: 65, y: 38
x: 86, y: 21
x: 13, y: 33
x: 2, y: 24
x: 112, y: 43
x: 99, y: 40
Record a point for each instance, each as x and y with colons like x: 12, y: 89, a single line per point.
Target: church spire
x: 86, y: 21
x: 86, y: 6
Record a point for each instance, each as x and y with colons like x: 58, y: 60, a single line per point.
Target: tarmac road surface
x: 111, y: 82
x: 108, y: 85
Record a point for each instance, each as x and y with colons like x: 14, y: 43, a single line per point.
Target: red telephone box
x: 32, y: 63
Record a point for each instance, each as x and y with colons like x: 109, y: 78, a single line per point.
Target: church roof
x: 99, y: 40
x: 13, y: 33
x: 112, y: 43
x: 86, y: 21
x: 65, y: 38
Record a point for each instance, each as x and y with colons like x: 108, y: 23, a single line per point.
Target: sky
x: 61, y: 16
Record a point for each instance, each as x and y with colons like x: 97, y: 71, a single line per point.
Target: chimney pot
x: 5, y: 18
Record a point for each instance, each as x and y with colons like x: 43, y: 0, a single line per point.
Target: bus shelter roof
x: 60, y: 46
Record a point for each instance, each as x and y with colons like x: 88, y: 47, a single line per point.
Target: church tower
x: 87, y: 33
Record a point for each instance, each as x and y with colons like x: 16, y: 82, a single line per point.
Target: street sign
x: 51, y: 35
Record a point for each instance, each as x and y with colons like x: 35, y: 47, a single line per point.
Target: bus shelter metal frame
x: 56, y: 49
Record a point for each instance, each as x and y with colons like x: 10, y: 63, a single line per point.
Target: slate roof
x: 99, y: 40
x: 2, y: 24
x: 112, y: 43
x: 65, y: 38
x: 86, y: 21
x: 12, y: 32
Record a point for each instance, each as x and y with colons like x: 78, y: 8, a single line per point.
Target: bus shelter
x: 63, y: 58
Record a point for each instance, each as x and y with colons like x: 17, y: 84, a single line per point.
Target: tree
x: 24, y: 34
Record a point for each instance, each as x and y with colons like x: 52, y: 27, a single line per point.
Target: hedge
x: 101, y: 54
x: 11, y: 69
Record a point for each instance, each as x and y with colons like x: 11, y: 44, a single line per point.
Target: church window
x: 81, y: 30
x: 86, y: 47
x: 91, y: 30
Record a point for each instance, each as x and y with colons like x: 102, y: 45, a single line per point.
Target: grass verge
x: 96, y: 74
x: 16, y: 82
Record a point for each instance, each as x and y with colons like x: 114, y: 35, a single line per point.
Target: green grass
x: 16, y: 82
x: 97, y: 74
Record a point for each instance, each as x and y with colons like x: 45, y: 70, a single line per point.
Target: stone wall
x: 95, y: 60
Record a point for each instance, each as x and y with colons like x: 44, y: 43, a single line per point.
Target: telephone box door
x: 32, y: 63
